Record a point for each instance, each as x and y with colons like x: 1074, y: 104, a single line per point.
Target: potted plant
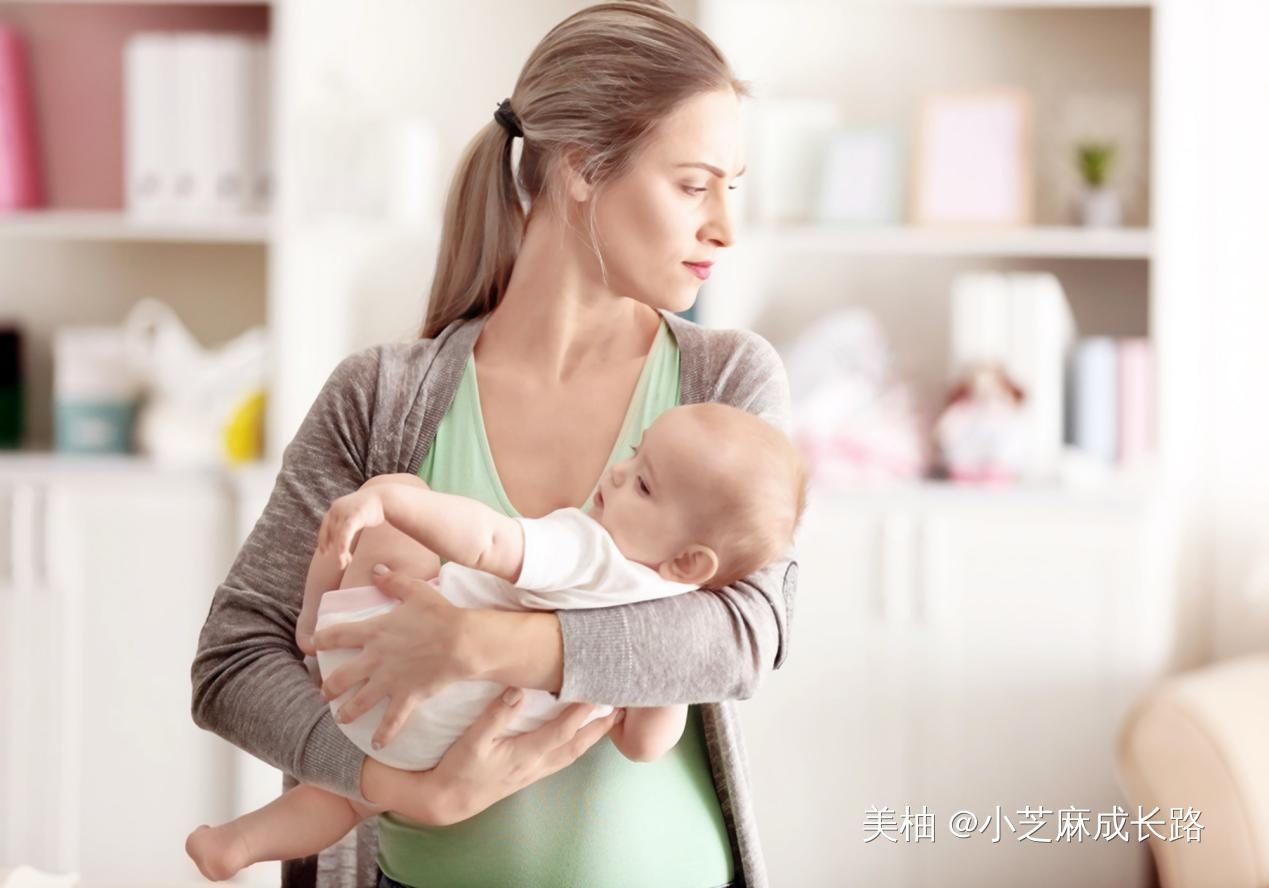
x: 1099, y: 205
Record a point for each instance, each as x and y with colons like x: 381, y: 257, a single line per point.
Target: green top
x: 604, y: 820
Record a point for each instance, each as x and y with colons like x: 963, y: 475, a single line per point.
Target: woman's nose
x: 719, y: 230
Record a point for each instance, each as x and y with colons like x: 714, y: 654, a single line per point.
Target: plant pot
x: 1101, y: 208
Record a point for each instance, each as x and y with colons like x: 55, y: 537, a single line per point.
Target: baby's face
x: 650, y: 502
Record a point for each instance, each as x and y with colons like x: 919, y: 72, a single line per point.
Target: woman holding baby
x: 550, y: 344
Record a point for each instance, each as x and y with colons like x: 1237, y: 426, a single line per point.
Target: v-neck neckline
x: 637, y: 397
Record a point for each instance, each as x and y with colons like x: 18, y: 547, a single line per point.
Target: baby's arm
x: 386, y: 545
x: 649, y: 732
x: 456, y: 528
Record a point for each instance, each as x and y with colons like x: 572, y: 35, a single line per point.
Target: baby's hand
x: 306, y: 626
x: 345, y: 519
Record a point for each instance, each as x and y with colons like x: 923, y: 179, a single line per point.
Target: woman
x: 549, y: 344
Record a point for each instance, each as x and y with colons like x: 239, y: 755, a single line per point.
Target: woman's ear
x: 695, y: 565
x: 576, y: 187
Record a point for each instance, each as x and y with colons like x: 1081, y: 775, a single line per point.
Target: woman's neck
x: 556, y: 319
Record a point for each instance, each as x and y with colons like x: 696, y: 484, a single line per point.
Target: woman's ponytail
x: 483, y: 227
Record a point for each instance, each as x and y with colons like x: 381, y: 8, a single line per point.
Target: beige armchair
x: 1202, y: 739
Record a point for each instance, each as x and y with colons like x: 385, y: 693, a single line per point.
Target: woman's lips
x: 701, y: 271
x: 599, y: 498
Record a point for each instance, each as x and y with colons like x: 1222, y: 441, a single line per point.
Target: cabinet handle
x: 22, y: 536
x: 938, y: 598
x: 898, y: 578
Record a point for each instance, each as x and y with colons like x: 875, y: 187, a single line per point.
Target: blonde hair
x: 593, y: 92
x: 755, y: 507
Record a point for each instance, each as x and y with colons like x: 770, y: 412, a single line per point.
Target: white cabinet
x: 107, y: 580
x: 958, y: 653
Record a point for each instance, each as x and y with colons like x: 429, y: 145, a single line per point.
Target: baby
x: 711, y: 495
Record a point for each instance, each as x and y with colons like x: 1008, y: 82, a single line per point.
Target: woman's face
x: 670, y: 209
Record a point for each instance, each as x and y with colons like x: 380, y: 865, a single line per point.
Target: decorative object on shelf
x: 1022, y: 323
x: 196, y: 124
x: 788, y: 140
x: 1100, y: 206
x: 973, y: 160
x: 1094, y: 404
x: 21, y: 187
x: 202, y: 407
x: 852, y: 420
x: 982, y: 433
x: 95, y: 392
x: 12, y: 397
x: 863, y: 177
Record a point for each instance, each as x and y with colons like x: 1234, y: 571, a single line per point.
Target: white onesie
x: 570, y: 561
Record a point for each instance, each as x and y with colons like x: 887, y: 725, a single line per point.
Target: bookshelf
x: 1085, y: 67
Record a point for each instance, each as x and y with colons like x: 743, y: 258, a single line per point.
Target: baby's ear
x: 694, y: 566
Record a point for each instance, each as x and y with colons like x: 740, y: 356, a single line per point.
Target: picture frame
x: 863, y: 178
x: 973, y: 162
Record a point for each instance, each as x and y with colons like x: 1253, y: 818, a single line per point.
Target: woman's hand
x: 408, y: 654
x: 484, y: 766
x: 345, y: 519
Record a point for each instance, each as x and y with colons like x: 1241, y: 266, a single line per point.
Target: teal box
x: 95, y: 427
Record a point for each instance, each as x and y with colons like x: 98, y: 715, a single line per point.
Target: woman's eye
x: 690, y: 190
x: 643, y: 488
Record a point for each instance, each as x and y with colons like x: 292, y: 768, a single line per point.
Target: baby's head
x: 710, y: 495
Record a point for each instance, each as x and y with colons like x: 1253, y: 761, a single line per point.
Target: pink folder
x: 19, y: 153
x: 1136, y: 400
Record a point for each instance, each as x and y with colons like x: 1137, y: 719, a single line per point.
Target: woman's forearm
x: 522, y: 650
x: 418, y: 795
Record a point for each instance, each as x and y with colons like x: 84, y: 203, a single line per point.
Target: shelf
x: 1114, y: 495
x: 1053, y: 242
x: 175, y: 3
x: 1031, y: 4
x: 106, y: 225
x: 30, y: 464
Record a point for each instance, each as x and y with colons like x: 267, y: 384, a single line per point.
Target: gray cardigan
x: 378, y: 413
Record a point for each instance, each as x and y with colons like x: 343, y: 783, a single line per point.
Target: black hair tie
x: 507, y: 119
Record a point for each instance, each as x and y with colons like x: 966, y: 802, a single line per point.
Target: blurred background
x: 1011, y: 251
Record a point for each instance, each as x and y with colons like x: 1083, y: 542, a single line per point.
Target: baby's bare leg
x: 302, y: 822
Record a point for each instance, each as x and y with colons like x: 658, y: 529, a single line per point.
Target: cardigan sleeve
x: 250, y: 684
x: 701, y: 646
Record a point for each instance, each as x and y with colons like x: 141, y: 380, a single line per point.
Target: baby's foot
x: 220, y: 852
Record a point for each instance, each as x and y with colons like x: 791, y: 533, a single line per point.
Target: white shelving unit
x: 971, y: 647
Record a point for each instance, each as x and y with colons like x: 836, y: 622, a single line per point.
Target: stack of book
x: 1093, y: 394
x: 1021, y: 323
x: 196, y: 109
x: 1111, y: 404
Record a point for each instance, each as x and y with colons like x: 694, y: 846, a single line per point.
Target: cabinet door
x: 1030, y: 671
x: 139, y: 556
x: 826, y: 733
x: 38, y: 690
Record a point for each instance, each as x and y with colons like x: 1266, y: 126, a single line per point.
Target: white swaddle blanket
x: 570, y: 561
